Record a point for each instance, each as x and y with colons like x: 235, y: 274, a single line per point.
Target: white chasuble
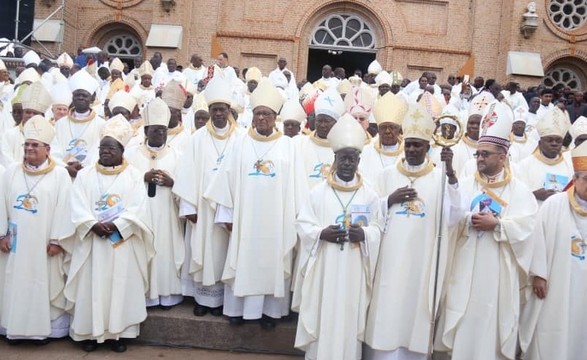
x: 109, y: 277
x: 546, y: 173
x: 555, y: 327
x: 38, y: 208
x: 206, y: 241
x: 336, y: 279
x: 479, y: 317
x: 317, y: 157
x: 375, y: 158
x: 403, y: 292
x: 263, y: 183
x: 166, y: 225
x: 78, y: 139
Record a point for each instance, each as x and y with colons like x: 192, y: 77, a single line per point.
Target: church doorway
x: 341, y: 40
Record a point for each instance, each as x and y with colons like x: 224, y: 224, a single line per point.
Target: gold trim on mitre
x: 390, y: 108
x: 579, y: 155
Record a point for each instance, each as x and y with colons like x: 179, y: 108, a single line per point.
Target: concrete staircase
x: 179, y: 327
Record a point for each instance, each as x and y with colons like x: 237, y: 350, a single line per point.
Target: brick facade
x: 410, y: 35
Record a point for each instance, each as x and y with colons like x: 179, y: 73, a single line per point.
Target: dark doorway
x: 349, y: 60
x: 8, y: 15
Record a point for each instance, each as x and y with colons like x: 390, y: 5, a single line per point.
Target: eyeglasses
x: 484, y: 154
x: 33, y: 145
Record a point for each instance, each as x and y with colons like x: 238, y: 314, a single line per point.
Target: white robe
x: 373, y: 162
x: 78, y: 141
x: 106, y: 286
x: 555, y: 327
x: 178, y: 141
x: 463, y: 152
x: 337, y: 283
x: 32, y: 283
x: 206, y: 241
x: 259, y: 259
x: 403, y: 290
x: 194, y: 75
x: 12, y: 146
x: 479, y: 317
x: 521, y: 149
x: 317, y: 159
x: 165, y: 284
x: 534, y: 171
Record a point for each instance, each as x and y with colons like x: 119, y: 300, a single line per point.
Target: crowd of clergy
x: 342, y: 200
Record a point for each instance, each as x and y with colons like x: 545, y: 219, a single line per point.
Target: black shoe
x: 235, y: 320
x: 43, y: 342
x: 13, y: 342
x: 200, y: 310
x: 216, y: 311
x: 165, y: 307
x: 118, y: 346
x: 268, y: 323
x: 89, y: 345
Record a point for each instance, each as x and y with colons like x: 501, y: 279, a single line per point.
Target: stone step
x: 179, y: 327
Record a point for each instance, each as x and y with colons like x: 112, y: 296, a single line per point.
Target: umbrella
x: 92, y: 50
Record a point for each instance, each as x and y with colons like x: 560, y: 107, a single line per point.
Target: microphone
x: 151, y: 189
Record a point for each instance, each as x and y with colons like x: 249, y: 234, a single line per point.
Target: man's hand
x: 484, y: 221
x: 164, y: 179
x: 5, y: 244
x: 446, y: 155
x: 73, y: 167
x: 332, y: 233
x: 150, y: 176
x: 228, y: 226
x: 543, y: 194
x: 193, y: 218
x: 356, y: 233
x: 54, y: 249
x: 102, y: 229
x: 400, y: 195
x: 540, y: 287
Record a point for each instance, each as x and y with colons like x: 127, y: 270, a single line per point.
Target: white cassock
x: 479, y: 317
x: 162, y: 77
x: 537, y: 174
x: 138, y: 136
x: 463, y: 151
x: 165, y: 284
x: 246, y: 117
x: 375, y: 158
x: 403, y: 290
x: 12, y: 146
x: 142, y: 94
x: 317, y: 157
x: 521, y: 147
x: 187, y: 119
x: 106, y: 285
x: 206, y: 242
x: 194, y: 75
x: 543, y: 109
x: 77, y: 138
x: 531, y: 126
x: 178, y: 137
x: 258, y: 267
x: 38, y: 209
x: 554, y: 328
x: 336, y: 282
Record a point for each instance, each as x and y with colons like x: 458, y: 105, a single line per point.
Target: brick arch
x: 322, y: 9
x: 104, y: 27
x: 575, y: 60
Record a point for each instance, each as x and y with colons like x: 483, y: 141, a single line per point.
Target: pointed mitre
x: 579, y: 127
x: 359, y: 100
x: 253, y: 73
x: 374, y: 68
x: 122, y: 99
x: 479, y: 103
x: 61, y: 94
x: 496, y: 125
x: 146, y: 69
x: 36, y: 97
x: 266, y: 94
x: 174, y: 95
x: 116, y: 64
x: 293, y: 110
x: 554, y: 122
x: 31, y: 57
x: 344, y: 86
x: 218, y: 90
x: 521, y: 114
x: 432, y: 106
x: 157, y: 113
x: 390, y: 108
x: 347, y: 133
x: 28, y: 75
x: 64, y: 60
x: 383, y: 78
x: 39, y: 129
x: 329, y: 103
x: 82, y: 80
x: 396, y: 78
x: 418, y: 124
x: 119, y: 129
x: 579, y: 155
x: 355, y: 80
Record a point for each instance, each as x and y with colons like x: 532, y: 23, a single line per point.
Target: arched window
x: 562, y: 75
x: 568, y: 14
x: 124, y: 46
x: 346, y: 31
